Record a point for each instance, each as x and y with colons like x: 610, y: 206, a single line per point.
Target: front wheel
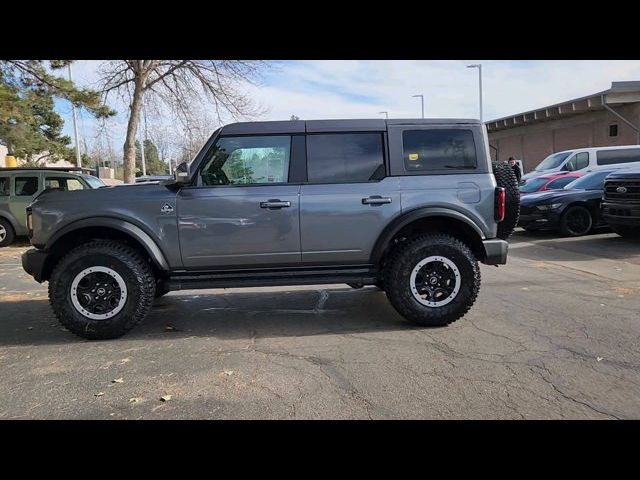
x: 576, y: 221
x: 101, y: 289
x: 433, y: 280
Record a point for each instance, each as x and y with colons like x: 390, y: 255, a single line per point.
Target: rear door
x: 24, y: 187
x: 348, y: 199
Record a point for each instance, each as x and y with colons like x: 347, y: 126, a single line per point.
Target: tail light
x: 29, y: 222
x: 500, y: 205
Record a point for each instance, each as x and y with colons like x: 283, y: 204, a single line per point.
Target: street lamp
x: 479, y: 67
x: 386, y: 114
x: 421, y: 102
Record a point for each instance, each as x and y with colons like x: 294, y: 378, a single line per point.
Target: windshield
x: 533, y: 185
x: 552, y: 161
x: 94, y: 182
x: 591, y: 181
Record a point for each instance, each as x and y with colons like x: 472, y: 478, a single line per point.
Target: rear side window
x: 612, y: 157
x: 4, y: 186
x: 345, y: 158
x: 438, y: 149
x: 26, y: 186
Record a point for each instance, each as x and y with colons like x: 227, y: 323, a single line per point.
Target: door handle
x: 272, y: 204
x: 376, y: 200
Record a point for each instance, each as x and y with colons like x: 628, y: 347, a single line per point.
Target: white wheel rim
x: 3, y: 233
x: 421, y: 297
x: 98, y: 316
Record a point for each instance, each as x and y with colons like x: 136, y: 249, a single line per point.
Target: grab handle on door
x: 275, y: 203
x: 376, y: 200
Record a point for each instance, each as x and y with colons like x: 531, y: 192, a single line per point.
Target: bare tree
x: 177, y: 84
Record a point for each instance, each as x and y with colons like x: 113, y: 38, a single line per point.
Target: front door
x: 241, y: 211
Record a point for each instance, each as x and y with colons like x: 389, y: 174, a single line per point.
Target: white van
x: 579, y: 159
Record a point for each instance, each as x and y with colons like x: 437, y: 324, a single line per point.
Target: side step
x: 192, y: 280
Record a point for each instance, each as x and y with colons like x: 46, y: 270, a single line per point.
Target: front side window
x: 26, y: 186
x: 4, y: 186
x: 247, y: 160
x: 623, y: 155
x: 345, y: 158
x: 438, y: 149
x: 577, y: 162
x: 64, y: 183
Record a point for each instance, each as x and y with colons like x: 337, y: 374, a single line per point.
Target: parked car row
x: 20, y: 186
x: 575, y: 199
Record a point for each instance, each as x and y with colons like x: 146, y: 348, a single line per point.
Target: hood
x: 552, y: 195
x: 106, y: 196
x: 535, y: 174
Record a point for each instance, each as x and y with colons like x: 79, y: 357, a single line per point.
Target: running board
x: 189, y: 281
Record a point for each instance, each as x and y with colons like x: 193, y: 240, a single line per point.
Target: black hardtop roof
x: 348, y: 125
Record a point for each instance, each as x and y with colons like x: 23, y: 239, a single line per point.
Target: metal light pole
x: 421, y: 102
x: 75, y: 125
x: 479, y: 67
x: 386, y: 114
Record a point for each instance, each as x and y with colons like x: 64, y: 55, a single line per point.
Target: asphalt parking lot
x: 553, y: 334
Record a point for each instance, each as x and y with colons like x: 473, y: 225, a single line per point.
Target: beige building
x: 607, y: 118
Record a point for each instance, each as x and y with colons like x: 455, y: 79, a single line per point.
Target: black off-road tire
x: 565, y: 225
x: 134, y: 269
x: 398, y: 275
x: 9, y: 236
x: 627, y: 231
x: 506, y: 179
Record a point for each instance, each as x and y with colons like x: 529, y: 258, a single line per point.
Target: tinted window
x: 345, y: 158
x: 612, y: 157
x: 4, y: 185
x: 248, y: 160
x: 438, y: 149
x: 577, y: 162
x: 560, y: 183
x: 26, y: 186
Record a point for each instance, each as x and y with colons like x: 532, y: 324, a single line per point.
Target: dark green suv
x: 19, y: 186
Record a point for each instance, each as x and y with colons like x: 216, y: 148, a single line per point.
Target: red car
x: 551, y: 181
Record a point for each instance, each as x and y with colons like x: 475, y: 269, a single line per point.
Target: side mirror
x: 181, y: 174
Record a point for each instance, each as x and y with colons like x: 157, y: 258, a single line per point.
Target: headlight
x: 551, y: 206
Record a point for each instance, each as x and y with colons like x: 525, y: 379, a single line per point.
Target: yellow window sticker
x: 413, y: 157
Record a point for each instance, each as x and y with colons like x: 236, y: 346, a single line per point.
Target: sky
x: 316, y: 89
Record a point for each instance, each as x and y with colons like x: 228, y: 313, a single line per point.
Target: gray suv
x: 410, y: 206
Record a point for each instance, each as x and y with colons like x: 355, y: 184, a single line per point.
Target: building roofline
x: 619, y: 93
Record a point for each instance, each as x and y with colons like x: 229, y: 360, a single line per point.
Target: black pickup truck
x: 621, y: 202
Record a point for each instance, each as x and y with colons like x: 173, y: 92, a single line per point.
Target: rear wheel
x: 627, y: 231
x: 7, y: 235
x: 101, y: 289
x: 432, y: 280
x: 576, y: 221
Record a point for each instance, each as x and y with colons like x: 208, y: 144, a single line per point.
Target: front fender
x: 123, y: 226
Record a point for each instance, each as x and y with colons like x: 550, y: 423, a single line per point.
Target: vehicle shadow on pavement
x: 242, y: 314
